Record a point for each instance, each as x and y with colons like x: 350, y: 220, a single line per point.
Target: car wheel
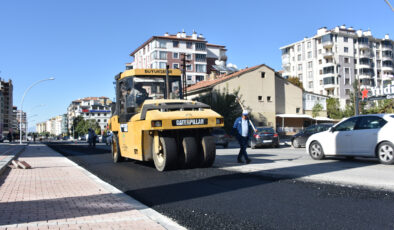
x: 386, y: 153
x: 316, y: 151
x: 295, y: 143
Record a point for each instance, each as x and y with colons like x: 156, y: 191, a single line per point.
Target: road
x: 224, y: 197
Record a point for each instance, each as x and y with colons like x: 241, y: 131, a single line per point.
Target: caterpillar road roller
x: 152, y: 122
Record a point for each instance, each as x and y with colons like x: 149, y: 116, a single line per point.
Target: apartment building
x: 6, y: 102
x: 96, y: 108
x: 159, y: 51
x: 330, y: 61
x: 54, y: 125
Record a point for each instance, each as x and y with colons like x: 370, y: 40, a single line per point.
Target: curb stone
x: 7, y: 160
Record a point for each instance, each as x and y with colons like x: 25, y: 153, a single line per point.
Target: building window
x: 105, y: 120
x: 201, y: 68
x: 297, y: 110
x: 189, y: 67
x: 310, y: 54
x: 201, y: 57
x: 345, y: 49
x: 355, y: 71
x: 98, y: 120
x: 199, y: 78
x: 310, y: 65
x: 355, y: 61
x: 347, y: 71
x: 310, y: 75
x: 309, y: 45
x: 162, y: 44
x: 320, y: 61
x: 262, y: 74
x: 300, y: 76
x: 175, y: 55
x: 260, y: 98
x: 299, y: 48
x: 299, y: 57
x: 163, y: 55
x: 347, y: 91
x: 175, y: 43
x: 162, y: 65
x: 346, y: 60
x: 189, y: 45
x: 200, y: 46
x: 319, y: 51
x: 310, y: 84
x: 347, y: 81
x: 269, y: 99
x: 189, y: 78
x: 188, y: 57
x: 345, y: 39
x: 299, y: 66
x: 175, y: 66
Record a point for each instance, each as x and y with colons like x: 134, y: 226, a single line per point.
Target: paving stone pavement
x: 58, y: 194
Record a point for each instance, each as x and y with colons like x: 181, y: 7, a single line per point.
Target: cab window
x: 370, y: 122
x: 347, y: 125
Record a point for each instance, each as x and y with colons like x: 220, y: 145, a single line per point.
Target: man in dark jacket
x: 242, y: 127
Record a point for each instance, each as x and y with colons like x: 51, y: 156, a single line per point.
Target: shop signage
x: 378, y: 93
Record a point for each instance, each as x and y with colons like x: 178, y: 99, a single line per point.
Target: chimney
x: 166, y: 34
x: 178, y: 35
x: 183, y: 34
x: 194, y: 35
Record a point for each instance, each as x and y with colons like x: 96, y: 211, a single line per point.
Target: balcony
x: 387, y: 47
x: 365, y: 55
x: 387, y: 77
x: 364, y: 76
x: 328, y: 54
x: 387, y: 68
x: 327, y: 44
x: 329, y: 82
x: 364, y: 65
x: 363, y: 46
x: 386, y: 58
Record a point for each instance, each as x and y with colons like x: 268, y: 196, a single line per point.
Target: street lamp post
x: 23, y: 98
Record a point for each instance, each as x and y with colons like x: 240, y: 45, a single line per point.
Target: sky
x: 84, y: 44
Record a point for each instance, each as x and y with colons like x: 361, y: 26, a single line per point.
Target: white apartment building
x: 159, y: 51
x: 53, y: 126
x: 96, y: 108
x: 330, y: 61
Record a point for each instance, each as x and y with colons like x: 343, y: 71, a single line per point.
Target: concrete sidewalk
x: 58, y: 194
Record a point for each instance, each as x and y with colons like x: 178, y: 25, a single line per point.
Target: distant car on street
x: 221, y: 137
x: 363, y: 136
x: 108, y: 139
x: 299, y: 139
x: 265, y: 136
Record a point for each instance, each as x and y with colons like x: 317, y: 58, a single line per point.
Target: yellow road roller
x: 152, y: 122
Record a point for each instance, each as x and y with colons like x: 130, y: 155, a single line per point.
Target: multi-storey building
x: 6, y: 103
x: 96, y: 108
x: 41, y: 127
x: 14, y: 123
x: 159, y: 51
x: 330, y: 61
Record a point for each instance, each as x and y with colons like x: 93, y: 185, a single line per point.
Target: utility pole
x: 183, y: 65
x: 167, y: 96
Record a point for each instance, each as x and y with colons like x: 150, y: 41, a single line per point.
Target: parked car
x: 265, y: 136
x: 108, y: 139
x: 299, y: 139
x: 364, y: 135
x: 221, y: 137
x: 1, y: 139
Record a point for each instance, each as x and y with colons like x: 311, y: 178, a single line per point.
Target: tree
x: 225, y: 104
x: 317, y: 108
x: 333, y: 108
x: 83, y: 126
x: 296, y: 81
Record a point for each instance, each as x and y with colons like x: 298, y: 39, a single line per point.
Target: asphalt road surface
x: 212, y: 198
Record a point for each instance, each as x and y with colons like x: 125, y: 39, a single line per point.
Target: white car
x: 362, y: 136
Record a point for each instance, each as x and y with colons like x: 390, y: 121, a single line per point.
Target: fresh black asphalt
x: 211, y: 198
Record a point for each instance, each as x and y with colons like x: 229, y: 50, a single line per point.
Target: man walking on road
x: 242, y: 127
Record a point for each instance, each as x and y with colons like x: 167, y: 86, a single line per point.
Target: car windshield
x: 265, y: 130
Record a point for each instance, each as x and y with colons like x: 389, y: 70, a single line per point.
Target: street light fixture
x: 21, y: 107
